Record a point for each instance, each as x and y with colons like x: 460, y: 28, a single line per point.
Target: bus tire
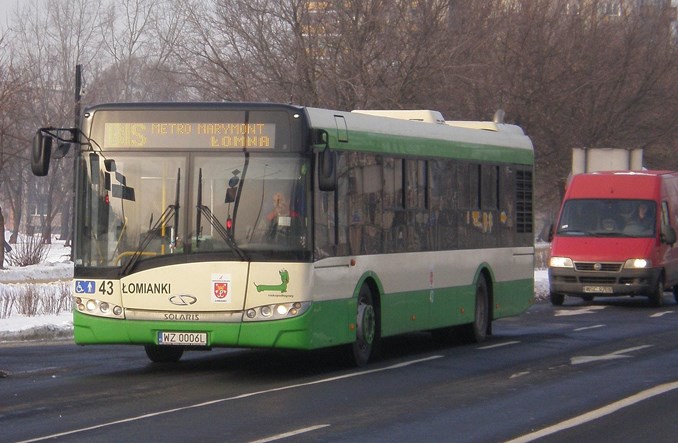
x: 656, y: 298
x: 164, y: 354
x: 367, y: 334
x: 476, y: 332
x: 556, y: 299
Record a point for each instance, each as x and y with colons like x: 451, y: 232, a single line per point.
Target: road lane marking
x: 519, y: 374
x: 589, y: 327
x: 237, y: 397
x: 499, y: 345
x: 661, y: 314
x: 290, y: 434
x: 611, y: 356
x: 579, y: 311
x: 597, y: 413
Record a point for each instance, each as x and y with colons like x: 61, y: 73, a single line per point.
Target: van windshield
x: 608, y: 218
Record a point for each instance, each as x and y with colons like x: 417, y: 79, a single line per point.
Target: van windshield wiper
x: 214, y: 221
x: 171, y: 210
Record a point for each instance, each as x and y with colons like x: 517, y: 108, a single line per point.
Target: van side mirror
x: 550, y: 236
x: 668, y: 235
x: 41, y: 153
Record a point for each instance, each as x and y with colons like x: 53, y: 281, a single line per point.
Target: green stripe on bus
x: 417, y: 146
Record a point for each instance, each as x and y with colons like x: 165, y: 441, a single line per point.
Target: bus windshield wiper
x: 171, y: 210
x: 214, y: 221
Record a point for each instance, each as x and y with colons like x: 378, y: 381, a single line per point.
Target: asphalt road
x: 605, y: 371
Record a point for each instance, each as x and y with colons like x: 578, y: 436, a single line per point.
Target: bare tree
x: 49, y: 40
x: 577, y: 78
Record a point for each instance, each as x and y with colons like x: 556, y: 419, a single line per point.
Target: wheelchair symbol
x: 85, y: 287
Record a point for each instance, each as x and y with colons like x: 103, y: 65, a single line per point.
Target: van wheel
x: 656, y: 299
x: 164, y: 354
x: 476, y: 332
x: 675, y: 293
x: 556, y: 299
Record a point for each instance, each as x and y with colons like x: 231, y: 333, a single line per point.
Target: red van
x: 615, y: 236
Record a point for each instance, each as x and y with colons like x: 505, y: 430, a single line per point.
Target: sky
x: 6, y: 8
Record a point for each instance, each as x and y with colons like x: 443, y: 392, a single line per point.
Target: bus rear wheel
x: 164, y: 354
x: 476, y: 332
x: 366, y: 335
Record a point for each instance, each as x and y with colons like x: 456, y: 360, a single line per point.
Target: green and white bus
x: 201, y: 225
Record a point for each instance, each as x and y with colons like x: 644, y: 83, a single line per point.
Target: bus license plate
x: 166, y: 338
x: 598, y: 289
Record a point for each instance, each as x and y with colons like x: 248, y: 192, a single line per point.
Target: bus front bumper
x: 327, y: 324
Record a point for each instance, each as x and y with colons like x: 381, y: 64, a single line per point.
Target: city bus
x: 254, y: 225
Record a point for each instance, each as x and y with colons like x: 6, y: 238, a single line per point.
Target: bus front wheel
x: 366, y: 335
x: 164, y: 354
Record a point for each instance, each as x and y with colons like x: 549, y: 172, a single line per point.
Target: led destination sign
x: 189, y: 135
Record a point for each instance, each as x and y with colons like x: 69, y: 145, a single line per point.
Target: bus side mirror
x: 327, y: 170
x: 668, y: 235
x: 327, y: 161
x: 40, y: 156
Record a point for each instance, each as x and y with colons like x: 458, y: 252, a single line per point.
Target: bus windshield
x: 608, y: 218
x: 136, y: 207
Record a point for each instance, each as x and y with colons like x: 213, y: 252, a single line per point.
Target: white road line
x: 579, y: 311
x: 597, y: 413
x: 611, y: 356
x: 289, y: 434
x: 499, y: 345
x: 237, y: 397
x: 589, y: 327
x: 519, y: 374
x: 661, y: 314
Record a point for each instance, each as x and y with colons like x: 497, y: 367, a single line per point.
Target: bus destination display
x: 189, y: 135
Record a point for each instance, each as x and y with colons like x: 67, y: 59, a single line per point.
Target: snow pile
x: 47, y: 283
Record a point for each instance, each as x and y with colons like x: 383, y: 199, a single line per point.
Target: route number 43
x: 106, y: 287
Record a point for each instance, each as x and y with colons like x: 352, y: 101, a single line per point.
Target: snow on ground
x: 59, y: 267
x: 56, y: 268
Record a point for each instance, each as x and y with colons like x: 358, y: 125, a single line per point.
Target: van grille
x: 602, y: 267
x: 598, y: 280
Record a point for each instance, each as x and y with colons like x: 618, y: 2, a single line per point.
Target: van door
x: 668, y: 253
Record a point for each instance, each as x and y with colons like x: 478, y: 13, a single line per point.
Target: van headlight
x: 560, y: 262
x: 637, y: 263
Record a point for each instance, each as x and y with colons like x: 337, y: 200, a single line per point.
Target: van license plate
x: 166, y: 338
x: 598, y: 289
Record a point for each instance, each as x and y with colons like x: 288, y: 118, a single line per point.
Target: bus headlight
x: 99, y: 308
x: 637, y: 263
x: 560, y: 262
x: 276, y: 311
